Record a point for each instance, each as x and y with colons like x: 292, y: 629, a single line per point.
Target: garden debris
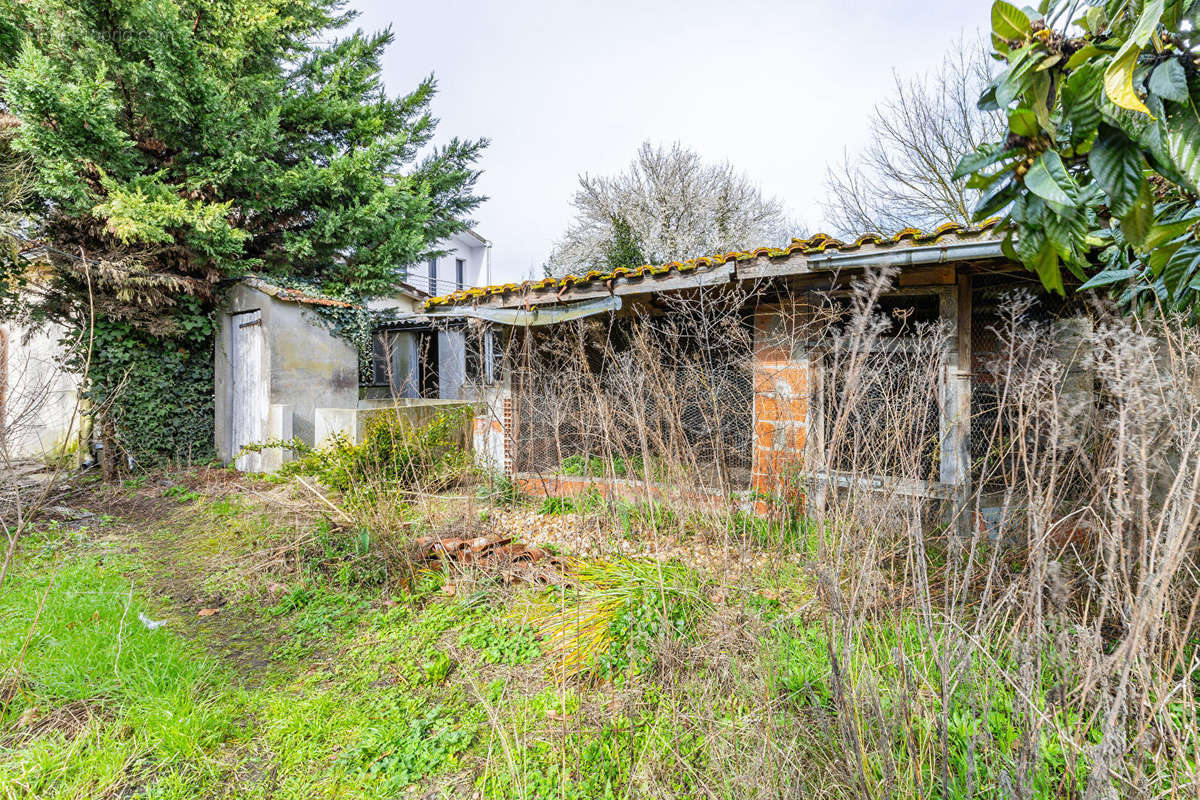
x: 68, y: 720
x: 729, y: 556
x: 514, y: 561
x: 67, y: 513
x: 151, y: 624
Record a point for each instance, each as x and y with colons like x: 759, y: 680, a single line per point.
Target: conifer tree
x: 175, y: 144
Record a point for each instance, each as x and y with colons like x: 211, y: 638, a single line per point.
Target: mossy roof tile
x: 816, y: 244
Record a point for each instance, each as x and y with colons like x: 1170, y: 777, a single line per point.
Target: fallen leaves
x: 207, y: 612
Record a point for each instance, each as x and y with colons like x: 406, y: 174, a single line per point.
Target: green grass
x: 169, y: 721
x: 329, y: 691
x: 346, y: 685
x: 583, y: 503
x: 157, y: 714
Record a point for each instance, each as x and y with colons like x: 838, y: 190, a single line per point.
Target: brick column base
x: 780, y: 408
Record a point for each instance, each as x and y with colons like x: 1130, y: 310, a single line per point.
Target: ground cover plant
x: 210, y: 634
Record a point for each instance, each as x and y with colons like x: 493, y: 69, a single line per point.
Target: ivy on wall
x: 158, y: 389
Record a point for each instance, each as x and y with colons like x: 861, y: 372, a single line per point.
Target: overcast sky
x: 562, y: 87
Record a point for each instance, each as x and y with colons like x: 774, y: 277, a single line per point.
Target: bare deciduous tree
x: 917, y: 137
x: 669, y: 205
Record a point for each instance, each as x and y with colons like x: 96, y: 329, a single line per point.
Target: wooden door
x: 249, y: 406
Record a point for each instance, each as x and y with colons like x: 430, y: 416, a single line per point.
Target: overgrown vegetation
x: 394, y: 454
x: 168, y: 147
x: 1099, y: 169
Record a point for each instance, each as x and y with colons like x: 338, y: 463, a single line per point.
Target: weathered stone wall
x: 39, y: 397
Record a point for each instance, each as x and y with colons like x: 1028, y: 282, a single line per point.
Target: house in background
x: 416, y: 357
x: 467, y: 261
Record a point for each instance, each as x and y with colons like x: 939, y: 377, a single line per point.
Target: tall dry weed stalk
x: 1030, y: 634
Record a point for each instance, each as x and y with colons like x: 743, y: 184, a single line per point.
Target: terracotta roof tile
x: 816, y: 244
x: 294, y: 295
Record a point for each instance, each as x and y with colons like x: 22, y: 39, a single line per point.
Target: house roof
x: 293, y: 295
x: 819, y: 244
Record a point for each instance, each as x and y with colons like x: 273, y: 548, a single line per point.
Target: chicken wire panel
x: 881, y: 415
x: 991, y: 469
x: 995, y: 454
x: 550, y: 427
x: 690, y: 422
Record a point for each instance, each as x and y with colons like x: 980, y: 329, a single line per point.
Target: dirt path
x: 159, y: 531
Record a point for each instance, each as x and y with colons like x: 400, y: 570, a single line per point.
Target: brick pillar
x: 780, y: 403
x: 510, y: 435
x: 492, y: 433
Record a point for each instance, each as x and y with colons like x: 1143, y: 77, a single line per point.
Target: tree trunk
x: 110, y: 465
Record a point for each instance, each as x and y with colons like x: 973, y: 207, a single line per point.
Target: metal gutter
x: 524, y: 318
x: 937, y: 254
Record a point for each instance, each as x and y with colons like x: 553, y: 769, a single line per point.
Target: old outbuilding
x: 773, y: 398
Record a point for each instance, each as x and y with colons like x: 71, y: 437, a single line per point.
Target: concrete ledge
x: 352, y: 422
x: 552, y: 485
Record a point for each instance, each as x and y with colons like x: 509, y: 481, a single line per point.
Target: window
x: 381, y: 355
x: 460, y: 269
x: 433, y: 290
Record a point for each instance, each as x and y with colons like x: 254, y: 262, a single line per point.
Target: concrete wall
x: 492, y: 437
x: 353, y: 422
x: 308, y: 367
x: 38, y: 397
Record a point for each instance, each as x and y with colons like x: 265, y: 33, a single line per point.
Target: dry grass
x: 1036, y: 638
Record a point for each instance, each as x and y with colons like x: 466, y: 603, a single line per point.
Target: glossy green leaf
x: 997, y: 198
x: 1136, y: 223
x: 1013, y: 81
x: 1159, y: 256
x: 1183, y: 146
x: 1083, y: 54
x: 1048, y: 179
x: 1024, y: 122
x: 1109, y: 277
x: 1117, y: 165
x: 1164, y: 232
x: 984, y: 157
x: 1169, y: 81
x: 1181, y: 267
x: 1049, y: 61
x: 1046, y: 267
x: 1009, y: 22
x: 1041, y: 91
x: 1080, y: 100
x: 1009, y: 250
